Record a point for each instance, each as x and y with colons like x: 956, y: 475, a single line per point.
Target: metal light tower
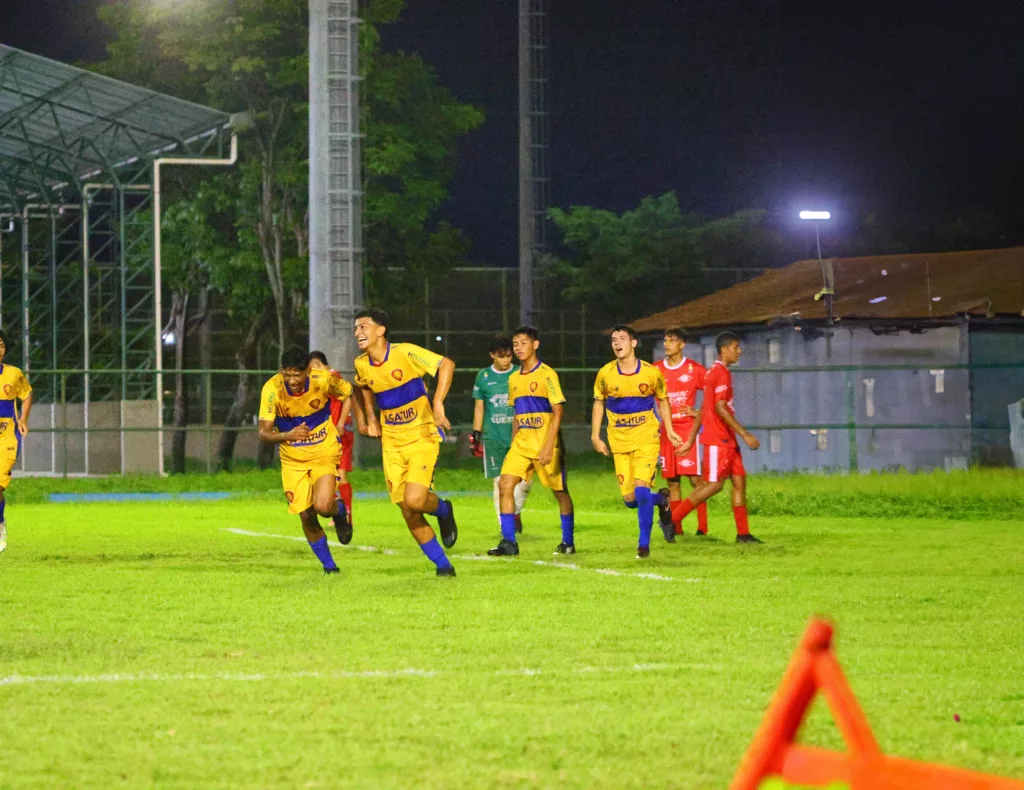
x: 335, y: 179
x: 533, y: 143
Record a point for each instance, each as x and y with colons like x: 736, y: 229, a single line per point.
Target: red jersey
x: 336, y: 415
x: 682, y: 383
x: 717, y: 387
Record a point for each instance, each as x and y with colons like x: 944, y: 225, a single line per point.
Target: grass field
x: 146, y: 645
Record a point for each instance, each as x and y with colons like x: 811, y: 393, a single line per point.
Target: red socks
x: 702, y: 518
x: 345, y: 492
x: 740, y: 514
x: 681, y: 508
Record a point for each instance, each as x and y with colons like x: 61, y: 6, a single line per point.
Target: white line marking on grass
x: 565, y: 566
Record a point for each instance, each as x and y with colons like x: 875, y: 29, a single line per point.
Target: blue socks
x: 657, y: 500
x: 630, y: 505
x: 567, y: 529
x: 444, y: 509
x: 3, y: 504
x: 645, y: 514
x: 323, y: 553
x: 435, y: 553
x: 508, y: 526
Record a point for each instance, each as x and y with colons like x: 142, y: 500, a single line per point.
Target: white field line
x: 259, y: 677
x: 565, y: 566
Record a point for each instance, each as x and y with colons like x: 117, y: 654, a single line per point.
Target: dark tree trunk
x: 179, y: 326
x: 245, y: 358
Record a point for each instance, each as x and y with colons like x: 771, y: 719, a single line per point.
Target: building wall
x: 832, y: 420
x: 992, y: 392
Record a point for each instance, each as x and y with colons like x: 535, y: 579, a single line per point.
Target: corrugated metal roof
x: 931, y: 285
x: 59, y: 124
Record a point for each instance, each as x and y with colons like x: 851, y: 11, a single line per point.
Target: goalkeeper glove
x: 476, y: 444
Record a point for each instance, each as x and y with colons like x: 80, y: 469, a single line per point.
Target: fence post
x: 851, y: 421
x: 209, y: 423
x: 64, y: 418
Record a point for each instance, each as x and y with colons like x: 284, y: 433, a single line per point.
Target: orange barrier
x: 774, y: 752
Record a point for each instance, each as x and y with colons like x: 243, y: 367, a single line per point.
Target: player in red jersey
x: 684, y: 380
x: 719, y: 428
x: 341, y: 416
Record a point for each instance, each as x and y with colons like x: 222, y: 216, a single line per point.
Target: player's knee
x: 415, y: 500
x: 506, y: 485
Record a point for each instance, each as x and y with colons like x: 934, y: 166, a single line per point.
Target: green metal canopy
x: 62, y: 126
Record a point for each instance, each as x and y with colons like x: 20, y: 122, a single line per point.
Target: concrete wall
x: 992, y: 392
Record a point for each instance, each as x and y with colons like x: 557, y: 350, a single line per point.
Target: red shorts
x: 722, y: 462
x: 674, y: 465
x: 347, y: 440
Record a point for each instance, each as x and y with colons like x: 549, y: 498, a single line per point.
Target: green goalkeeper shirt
x: 492, y: 388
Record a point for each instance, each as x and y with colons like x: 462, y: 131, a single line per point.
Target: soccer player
x: 295, y: 413
x: 684, y: 380
x: 535, y: 395
x: 341, y: 416
x: 13, y: 426
x: 630, y: 390
x: 492, y: 422
x: 412, y: 430
x: 719, y: 428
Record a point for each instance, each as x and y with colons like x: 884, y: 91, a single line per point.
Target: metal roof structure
x: 922, y: 287
x: 61, y: 126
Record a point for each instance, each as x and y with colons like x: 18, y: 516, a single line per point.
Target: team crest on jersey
x: 7, y: 389
x: 533, y: 386
x: 685, y: 378
x: 314, y: 404
x: 290, y: 496
x: 397, y: 375
x: 643, y: 389
x: 621, y: 479
x: 390, y: 485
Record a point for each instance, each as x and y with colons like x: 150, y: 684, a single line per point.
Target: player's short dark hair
x: 294, y: 358
x: 624, y: 328
x: 725, y: 339
x: 320, y: 357
x: 500, y: 343
x: 3, y: 337
x: 378, y: 317
x: 676, y: 331
x: 530, y: 331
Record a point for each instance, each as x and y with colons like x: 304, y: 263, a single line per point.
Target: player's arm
x: 372, y: 425
x: 445, y: 372
x: 547, y: 451
x: 478, y: 423
x: 665, y: 410
x: 723, y: 411
x: 596, y: 418
x: 26, y: 409
x: 691, y: 437
x: 270, y: 434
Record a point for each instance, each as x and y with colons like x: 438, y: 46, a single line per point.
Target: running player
x: 295, y: 413
x: 719, y: 427
x: 13, y: 426
x: 630, y: 389
x: 341, y: 416
x: 492, y: 422
x: 684, y: 380
x: 535, y: 395
x: 412, y: 431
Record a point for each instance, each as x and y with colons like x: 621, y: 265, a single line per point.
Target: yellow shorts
x: 640, y: 464
x: 552, y: 475
x: 9, y: 447
x: 299, y: 479
x: 409, y: 463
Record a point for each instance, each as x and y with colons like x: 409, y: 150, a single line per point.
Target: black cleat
x: 565, y: 548
x: 449, y: 571
x: 700, y: 534
x: 668, y: 529
x: 643, y: 552
x: 748, y: 539
x: 329, y: 571
x: 449, y: 529
x: 505, y: 548
x: 342, y: 525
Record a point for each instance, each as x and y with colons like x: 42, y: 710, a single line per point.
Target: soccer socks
x: 323, y: 553
x: 702, y: 518
x: 682, y: 509
x: 568, y: 527
x: 508, y: 526
x: 519, y: 494
x: 443, y: 509
x: 3, y: 504
x: 345, y: 495
x: 631, y: 505
x: 435, y: 553
x: 657, y: 499
x: 739, y: 512
x: 645, y: 514
x: 497, y: 498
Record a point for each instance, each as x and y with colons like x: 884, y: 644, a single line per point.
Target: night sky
x: 851, y: 105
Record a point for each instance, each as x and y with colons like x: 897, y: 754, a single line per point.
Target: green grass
x: 157, y: 649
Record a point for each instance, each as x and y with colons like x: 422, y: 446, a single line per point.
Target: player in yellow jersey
x: 411, y: 429
x: 295, y: 414
x: 535, y: 395
x: 13, y: 427
x: 633, y: 392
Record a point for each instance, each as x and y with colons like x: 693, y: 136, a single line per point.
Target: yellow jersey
x: 397, y: 383
x: 313, y: 407
x: 13, y: 386
x: 531, y: 395
x: 630, y: 399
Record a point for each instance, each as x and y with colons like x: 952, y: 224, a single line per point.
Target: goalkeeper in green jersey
x: 492, y: 421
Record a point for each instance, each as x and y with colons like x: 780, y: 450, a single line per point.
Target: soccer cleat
x: 565, y: 548
x: 519, y: 524
x: 668, y: 529
x: 748, y: 539
x: 447, y: 526
x: 505, y: 548
x: 701, y: 533
x: 3, y: 535
x: 342, y: 525
x: 643, y: 552
x: 449, y: 571
x: 329, y: 571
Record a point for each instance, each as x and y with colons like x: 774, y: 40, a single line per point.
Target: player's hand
x: 751, y: 441
x: 689, y: 411
x: 547, y: 455
x: 440, y: 418
x: 373, y: 429
x: 686, y: 446
x: 599, y: 445
x: 23, y: 428
x: 299, y: 433
x: 675, y: 439
x: 476, y: 444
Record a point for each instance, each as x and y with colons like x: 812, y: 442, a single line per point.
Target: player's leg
x: 6, y: 465
x: 519, y: 495
x: 298, y: 490
x: 715, y: 473
x: 670, y: 464
x: 421, y: 461
x: 555, y: 476
x: 702, y: 508
x: 345, y: 491
x: 328, y: 504
x: 3, y: 521
x: 739, y: 501
x: 397, y: 462
x: 317, y: 539
x: 492, y: 458
x: 424, y: 535
x: 507, y: 546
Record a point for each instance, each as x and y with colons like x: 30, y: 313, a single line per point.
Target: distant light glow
x: 438, y: 338
x: 936, y: 298
x: 815, y: 215
x: 169, y: 339
x: 877, y: 299
x: 884, y: 272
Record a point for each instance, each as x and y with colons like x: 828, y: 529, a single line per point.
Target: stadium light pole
x: 817, y: 217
